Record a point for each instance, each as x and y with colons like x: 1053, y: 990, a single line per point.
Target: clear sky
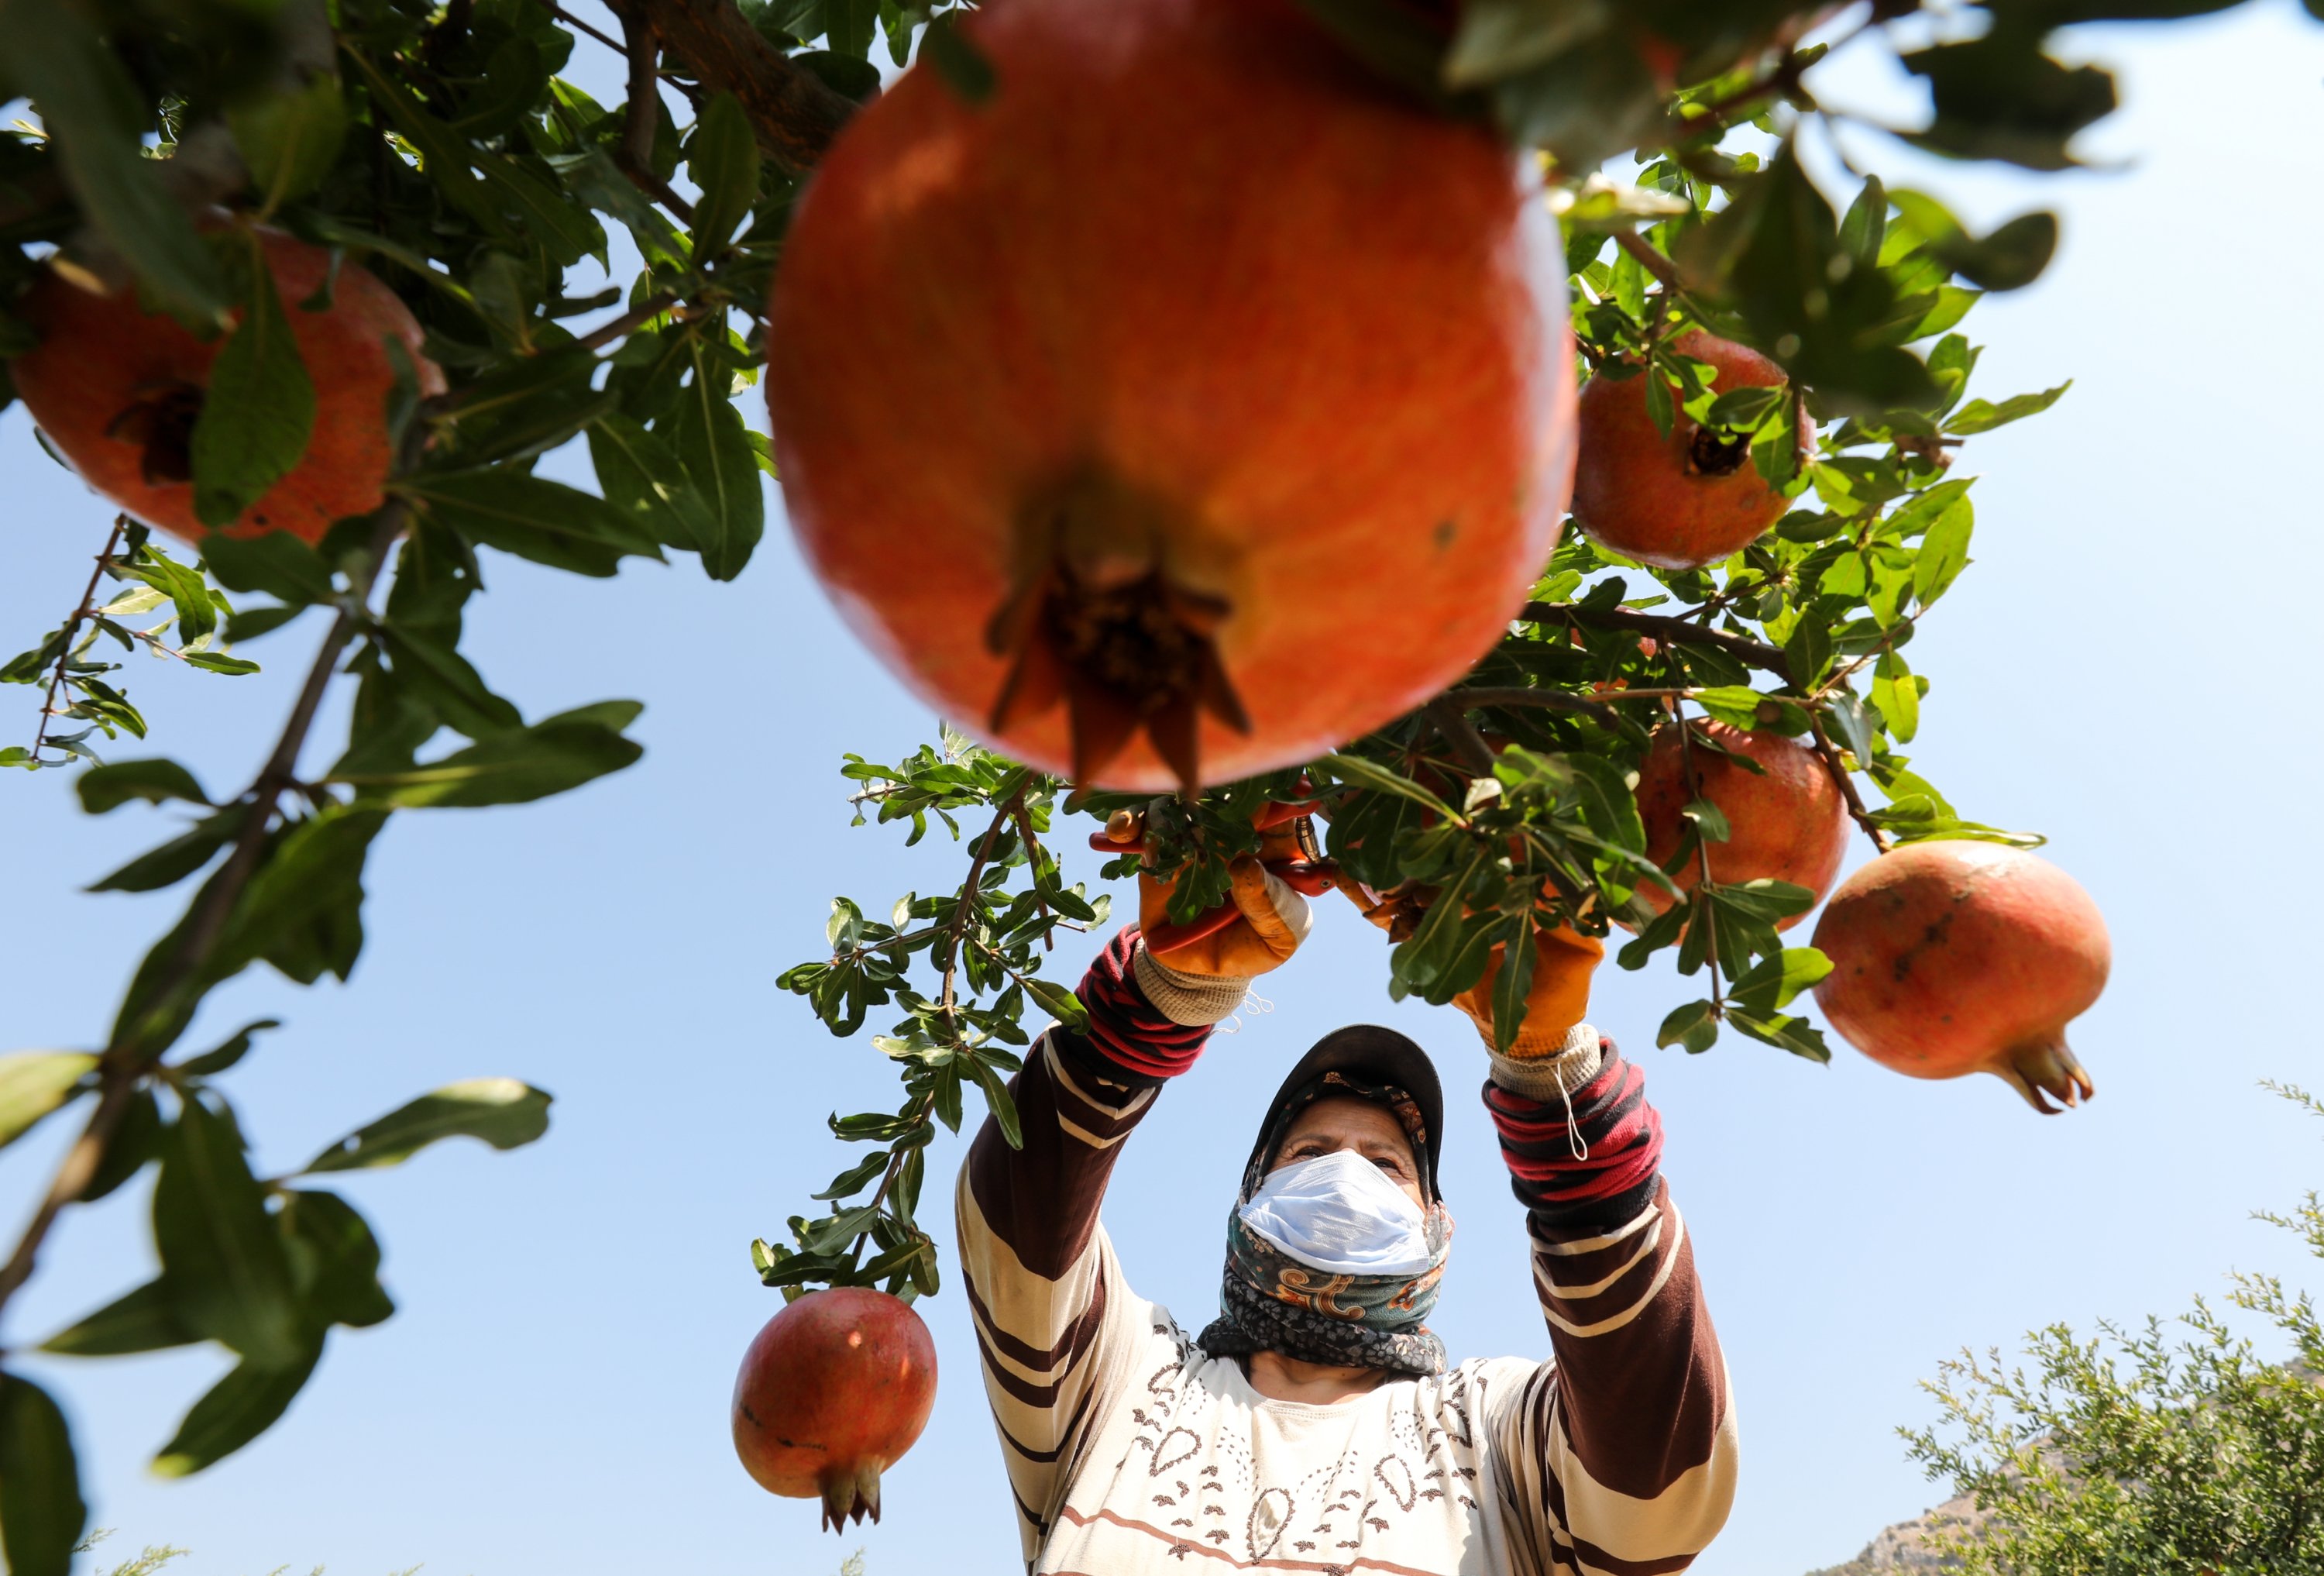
x: 2119, y: 669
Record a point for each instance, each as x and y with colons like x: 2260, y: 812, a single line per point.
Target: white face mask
x: 1339, y: 1212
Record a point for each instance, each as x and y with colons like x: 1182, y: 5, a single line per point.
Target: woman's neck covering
x: 1270, y: 1302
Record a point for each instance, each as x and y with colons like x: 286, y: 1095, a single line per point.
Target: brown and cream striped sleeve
x: 1619, y: 1457
x: 1055, y: 1322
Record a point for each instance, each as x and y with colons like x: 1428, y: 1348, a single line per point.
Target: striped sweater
x: 1130, y: 1451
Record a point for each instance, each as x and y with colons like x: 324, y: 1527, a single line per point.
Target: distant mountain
x: 1906, y: 1547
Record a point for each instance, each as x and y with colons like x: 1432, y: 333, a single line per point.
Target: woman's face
x: 1342, y: 1121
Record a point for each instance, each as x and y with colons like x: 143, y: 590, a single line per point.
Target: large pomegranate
x: 833, y: 1391
x: 1684, y: 500
x: 1189, y: 406
x: 1785, y: 823
x: 118, y: 390
x: 1956, y: 957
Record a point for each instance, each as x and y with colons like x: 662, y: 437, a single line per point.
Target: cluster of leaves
x: 66, y: 669
x: 2142, y: 1453
x: 441, y: 150
x: 980, y: 948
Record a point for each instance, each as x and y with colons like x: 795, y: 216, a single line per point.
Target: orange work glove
x: 1264, y: 917
x: 1557, y: 997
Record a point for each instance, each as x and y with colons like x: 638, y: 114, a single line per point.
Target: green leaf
x: 212, y: 662
x: 552, y: 756
x: 237, y: 1410
x: 42, y: 1512
x: 1691, y: 1028
x: 533, y: 517
x: 723, y: 159
x: 334, y: 1261
x: 1794, y: 1034
x: 444, y: 154
x: 248, y: 623
x: 501, y: 1112
x: 1513, y: 981
x: 276, y: 563
x: 300, y: 911
x: 196, y: 614
x: 957, y: 60
x: 211, y: 1064
x: 1944, y: 550
x: 850, y: 1181
x: 1736, y: 704
x: 998, y: 1100
x: 1362, y: 773
x: 177, y: 859
x: 1771, y: 983
x: 32, y: 1083
x: 595, y: 180
x: 1897, y: 693
x: 1060, y: 1004
x: 644, y: 479
x: 114, y: 784
x: 714, y: 447
x: 2010, y: 258
x: 259, y: 410
x: 290, y: 139
x: 221, y: 1253
x: 136, y: 1141
x: 442, y: 677
x: 56, y: 57
x: 1983, y: 416
x: 142, y: 1319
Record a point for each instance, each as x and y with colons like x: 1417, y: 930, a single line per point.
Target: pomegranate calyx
x: 160, y: 421
x: 1716, y: 452
x: 850, y: 1493
x: 1121, y: 657
x: 2044, y: 1066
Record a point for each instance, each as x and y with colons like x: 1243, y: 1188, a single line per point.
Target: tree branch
x: 1829, y: 753
x: 1652, y: 260
x: 81, y: 615
x: 1756, y: 653
x: 1450, y: 720
x: 126, y: 1061
x: 1555, y: 700
x: 795, y: 116
x: 969, y: 889
x: 642, y: 114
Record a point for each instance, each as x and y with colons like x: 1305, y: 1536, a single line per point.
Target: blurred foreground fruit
x: 1786, y: 824
x: 1189, y: 406
x: 118, y: 390
x: 1956, y: 957
x: 833, y: 1391
x: 1682, y: 500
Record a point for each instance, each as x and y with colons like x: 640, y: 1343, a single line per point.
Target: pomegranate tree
x: 1188, y: 407
x: 1679, y: 500
x: 118, y: 390
x: 833, y: 1391
x: 1786, y: 822
x: 1954, y: 957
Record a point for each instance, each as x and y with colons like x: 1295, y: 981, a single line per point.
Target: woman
x: 1315, y: 1424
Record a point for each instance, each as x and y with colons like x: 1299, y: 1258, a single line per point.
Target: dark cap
x: 1376, y: 1056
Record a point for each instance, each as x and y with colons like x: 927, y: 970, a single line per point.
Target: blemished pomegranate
x: 832, y: 1393
x: 1955, y: 957
x: 1685, y: 500
x: 1785, y: 823
x: 118, y: 390
x: 1191, y: 405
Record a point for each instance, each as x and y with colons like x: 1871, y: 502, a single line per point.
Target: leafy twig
x: 1755, y: 653
x: 969, y: 889
x: 1829, y: 753
x: 128, y: 1058
x: 82, y: 614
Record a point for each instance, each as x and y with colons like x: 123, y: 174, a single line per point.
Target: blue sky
x: 2117, y: 670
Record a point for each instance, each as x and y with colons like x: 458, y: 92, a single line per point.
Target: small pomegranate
x: 1191, y: 405
x: 1685, y: 500
x: 1955, y: 957
x: 118, y: 390
x: 833, y: 1391
x: 1786, y: 824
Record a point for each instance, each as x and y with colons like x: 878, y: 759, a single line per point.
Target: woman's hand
x: 1264, y: 917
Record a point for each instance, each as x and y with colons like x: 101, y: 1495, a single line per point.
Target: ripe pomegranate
x: 1685, y: 500
x: 1788, y: 824
x: 833, y: 1391
x: 1196, y: 385
x: 1956, y: 957
x: 118, y: 390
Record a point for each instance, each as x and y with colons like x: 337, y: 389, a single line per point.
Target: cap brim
x: 1379, y: 1056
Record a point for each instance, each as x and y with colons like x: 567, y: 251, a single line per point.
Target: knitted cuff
x: 1552, y: 1078
x: 1187, y: 998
